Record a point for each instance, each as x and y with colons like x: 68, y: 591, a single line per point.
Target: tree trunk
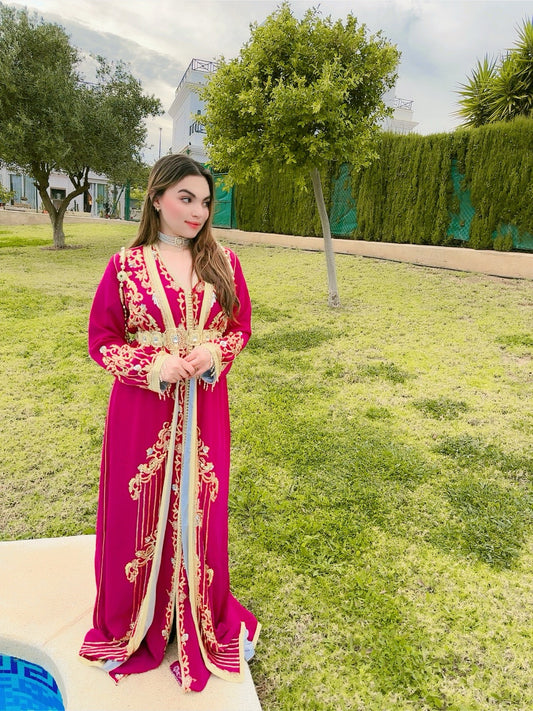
x: 57, y: 226
x: 56, y: 216
x: 333, y: 292
x: 41, y: 174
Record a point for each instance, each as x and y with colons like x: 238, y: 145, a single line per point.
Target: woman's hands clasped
x: 196, y: 363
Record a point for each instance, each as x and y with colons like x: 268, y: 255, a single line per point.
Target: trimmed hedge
x: 408, y: 194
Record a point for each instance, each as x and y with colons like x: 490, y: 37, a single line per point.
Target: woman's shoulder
x: 127, y: 254
x: 126, y: 257
x: 133, y: 251
x: 229, y: 254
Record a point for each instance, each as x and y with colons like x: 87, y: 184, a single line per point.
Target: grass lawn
x: 380, y: 512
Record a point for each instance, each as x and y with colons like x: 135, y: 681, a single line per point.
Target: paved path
x: 516, y: 265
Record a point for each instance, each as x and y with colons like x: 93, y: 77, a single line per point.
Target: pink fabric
x: 136, y: 438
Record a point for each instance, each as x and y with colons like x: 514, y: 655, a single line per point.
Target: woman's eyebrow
x: 184, y: 190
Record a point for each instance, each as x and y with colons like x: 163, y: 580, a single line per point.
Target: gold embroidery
x: 210, y: 574
x: 156, y: 460
x: 231, y: 344
x: 186, y: 679
x: 138, y: 316
x: 142, y: 557
x: 125, y: 361
x: 206, y: 470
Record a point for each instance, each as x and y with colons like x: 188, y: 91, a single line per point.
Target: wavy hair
x: 208, y: 259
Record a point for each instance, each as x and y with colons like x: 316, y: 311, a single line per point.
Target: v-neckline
x: 174, y: 282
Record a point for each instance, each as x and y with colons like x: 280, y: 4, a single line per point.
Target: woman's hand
x: 200, y: 359
x: 175, y: 368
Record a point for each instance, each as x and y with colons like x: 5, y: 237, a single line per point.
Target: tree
x: 51, y: 119
x: 301, y: 95
x: 500, y: 91
x: 6, y: 195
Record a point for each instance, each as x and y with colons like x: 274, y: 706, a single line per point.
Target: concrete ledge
x: 45, y: 609
x: 515, y: 265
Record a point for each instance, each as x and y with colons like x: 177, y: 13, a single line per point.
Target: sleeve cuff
x: 154, y: 375
x: 211, y: 376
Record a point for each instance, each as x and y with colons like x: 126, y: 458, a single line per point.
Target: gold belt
x: 175, y: 339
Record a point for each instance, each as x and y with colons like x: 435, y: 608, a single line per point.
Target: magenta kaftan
x: 128, y: 336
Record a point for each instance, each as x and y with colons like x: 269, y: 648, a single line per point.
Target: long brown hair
x: 208, y: 259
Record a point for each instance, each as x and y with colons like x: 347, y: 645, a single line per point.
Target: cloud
x: 440, y: 42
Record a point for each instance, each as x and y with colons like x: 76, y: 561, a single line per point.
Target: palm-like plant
x: 500, y: 92
x: 508, y: 95
x: 476, y: 94
x: 524, y: 57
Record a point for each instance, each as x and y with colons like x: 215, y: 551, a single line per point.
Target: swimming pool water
x: 27, y: 687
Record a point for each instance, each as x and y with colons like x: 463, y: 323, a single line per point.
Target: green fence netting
x: 460, y: 221
x: 343, y: 213
x: 459, y: 227
x: 224, y: 213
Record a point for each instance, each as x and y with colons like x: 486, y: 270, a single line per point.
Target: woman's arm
x: 131, y: 364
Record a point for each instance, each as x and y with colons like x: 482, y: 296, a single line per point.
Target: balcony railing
x: 402, y: 104
x: 200, y: 65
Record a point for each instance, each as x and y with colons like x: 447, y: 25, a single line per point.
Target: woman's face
x: 184, y: 207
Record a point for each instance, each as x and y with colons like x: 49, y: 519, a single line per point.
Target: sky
x: 440, y: 42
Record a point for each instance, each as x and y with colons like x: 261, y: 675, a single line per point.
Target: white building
x: 187, y: 132
x: 401, y: 120
x: 102, y: 197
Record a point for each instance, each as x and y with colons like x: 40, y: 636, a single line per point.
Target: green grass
x: 380, y: 509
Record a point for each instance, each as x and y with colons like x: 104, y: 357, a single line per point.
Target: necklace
x: 180, y: 242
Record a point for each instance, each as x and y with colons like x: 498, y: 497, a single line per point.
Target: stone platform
x: 46, y: 599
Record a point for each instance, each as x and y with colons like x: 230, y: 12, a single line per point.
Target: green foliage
x: 300, y: 94
x: 499, y: 172
x: 275, y: 203
x: 503, y: 242
x: 504, y: 90
x: 51, y: 119
x: 476, y: 94
x: 5, y: 194
x: 406, y: 196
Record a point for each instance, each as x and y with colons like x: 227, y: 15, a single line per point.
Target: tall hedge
x: 499, y: 173
x: 407, y: 194
x: 276, y: 204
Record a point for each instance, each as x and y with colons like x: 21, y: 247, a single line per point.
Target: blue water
x: 27, y: 687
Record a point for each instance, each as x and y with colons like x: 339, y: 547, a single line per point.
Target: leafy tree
x: 53, y: 120
x: 501, y: 91
x: 301, y: 95
x: 5, y: 195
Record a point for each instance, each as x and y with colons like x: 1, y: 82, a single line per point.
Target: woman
x: 168, y: 318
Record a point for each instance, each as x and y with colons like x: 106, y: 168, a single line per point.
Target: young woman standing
x: 169, y: 316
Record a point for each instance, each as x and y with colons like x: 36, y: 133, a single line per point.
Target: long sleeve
x: 108, y: 346
x: 238, y: 330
